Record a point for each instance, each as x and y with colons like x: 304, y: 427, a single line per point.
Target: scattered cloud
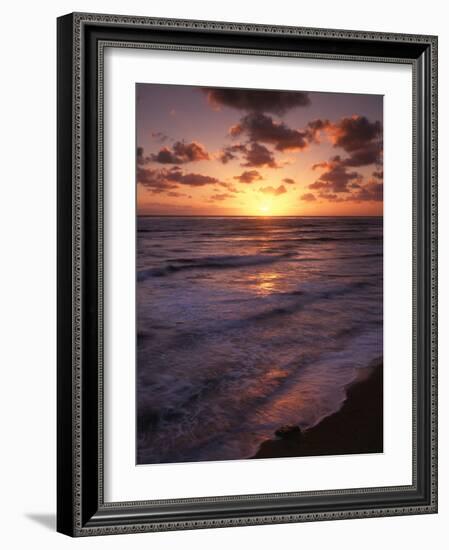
x: 335, y: 178
x: 354, y: 174
x: 221, y: 197
x: 230, y: 187
x: 141, y: 159
x: 356, y: 135
x: 309, y: 197
x: 164, y: 180
x: 270, y: 190
x: 361, y: 139
x: 353, y: 133
x: 315, y: 127
x: 181, y: 153
x: 192, y: 179
x: 370, y: 153
x: 254, y: 154
x: 154, y: 181
x: 262, y: 128
x: 249, y: 176
x: 258, y: 155
x: 231, y: 152
x: 372, y: 191
x: 332, y: 197
x: 357, y: 192
x: 269, y: 101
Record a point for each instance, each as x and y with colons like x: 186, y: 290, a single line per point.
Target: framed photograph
x: 247, y: 284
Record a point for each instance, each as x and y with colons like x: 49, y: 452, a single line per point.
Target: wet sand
x: 356, y: 428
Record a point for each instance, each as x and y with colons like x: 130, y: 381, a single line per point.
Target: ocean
x: 247, y: 324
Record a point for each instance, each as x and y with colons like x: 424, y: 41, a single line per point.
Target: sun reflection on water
x: 267, y: 282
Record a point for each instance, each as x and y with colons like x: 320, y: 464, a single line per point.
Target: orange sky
x: 224, y: 151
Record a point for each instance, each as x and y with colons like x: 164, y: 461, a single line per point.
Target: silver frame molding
x: 81, y: 42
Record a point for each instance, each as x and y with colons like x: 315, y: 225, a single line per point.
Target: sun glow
x: 262, y: 205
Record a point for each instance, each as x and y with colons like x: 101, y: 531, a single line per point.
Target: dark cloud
x: 269, y: 101
x: 166, y: 156
x: 357, y: 136
x: 270, y: 190
x: 314, y: 127
x: 181, y: 153
x: 336, y: 184
x: 335, y: 178
x: 229, y: 186
x: 231, y: 152
x: 162, y: 181
x: 258, y: 155
x: 353, y: 133
x: 372, y: 191
x: 262, y: 128
x: 139, y: 155
x: 249, y: 176
x: 309, y: 197
x: 254, y: 154
x: 141, y: 159
x: 154, y: 181
x: 361, y: 139
x: 191, y: 179
x: 370, y: 153
x: 290, y: 181
x: 332, y: 197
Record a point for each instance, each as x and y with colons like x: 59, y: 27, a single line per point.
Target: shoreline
x: 356, y: 428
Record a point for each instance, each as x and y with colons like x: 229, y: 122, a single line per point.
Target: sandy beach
x: 356, y: 428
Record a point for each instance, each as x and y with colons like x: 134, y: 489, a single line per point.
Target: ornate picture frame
x: 81, y: 508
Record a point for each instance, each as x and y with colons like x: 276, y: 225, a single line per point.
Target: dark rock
x: 289, y: 432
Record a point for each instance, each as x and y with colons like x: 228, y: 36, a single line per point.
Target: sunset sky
x: 228, y: 151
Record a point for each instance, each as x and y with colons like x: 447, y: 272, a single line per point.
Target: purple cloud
x: 276, y: 191
x: 270, y: 101
x: 181, y: 153
x: 249, y: 176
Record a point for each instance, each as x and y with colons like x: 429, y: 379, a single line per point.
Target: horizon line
x: 254, y: 216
